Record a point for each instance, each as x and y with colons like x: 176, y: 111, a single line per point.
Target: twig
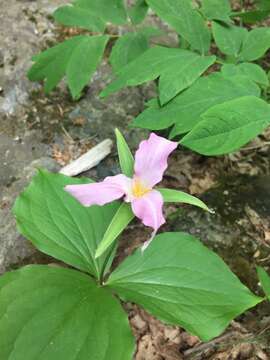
x: 256, y: 146
x: 213, y: 343
x: 67, y: 134
x: 88, y: 160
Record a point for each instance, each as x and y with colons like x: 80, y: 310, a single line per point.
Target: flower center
x: 138, y: 189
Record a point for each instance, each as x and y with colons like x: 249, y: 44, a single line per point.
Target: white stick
x: 88, y: 160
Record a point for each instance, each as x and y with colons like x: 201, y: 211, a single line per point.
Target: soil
x: 49, y: 131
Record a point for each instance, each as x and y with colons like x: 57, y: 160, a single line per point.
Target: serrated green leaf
x: 78, y: 17
x: 252, y: 71
x: 50, y: 313
x: 148, y: 66
x: 126, y: 159
x: 138, y: 11
x: 229, y: 38
x: 226, y: 127
x: 127, y: 48
x: 264, y: 280
x: 182, y: 74
x: 185, y: 20
x: 216, y: 9
x: 50, y: 65
x: 83, y: 63
x: 184, y: 110
x: 176, y: 196
x: 130, y: 46
x: 80, y: 52
x: 190, y: 286
x: 59, y: 225
x: 108, y: 10
x: 256, y: 44
x: 120, y: 221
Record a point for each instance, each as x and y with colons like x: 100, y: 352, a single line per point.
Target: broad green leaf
x: 181, y: 282
x: 50, y: 313
x: 112, y: 11
x: 80, y: 52
x: 256, y: 44
x: 127, y: 48
x: 78, y: 17
x: 85, y: 57
x: 126, y: 159
x: 216, y: 9
x: 182, y: 74
x: 252, y: 71
x: 176, y: 196
x: 229, y: 38
x: 226, y: 127
x: 138, y: 11
x: 185, y: 20
x: 120, y: 221
x: 184, y: 110
x: 264, y: 280
x: 148, y: 66
x: 59, y: 225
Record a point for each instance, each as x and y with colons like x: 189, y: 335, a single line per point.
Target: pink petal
x: 151, y: 159
x: 148, y: 208
x: 112, y: 188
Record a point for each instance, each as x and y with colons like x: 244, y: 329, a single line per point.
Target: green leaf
x: 50, y: 313
x: 120, y: 221
x: 226, y: 127
x: 263, y: 4
x: 185, y: 20
x: 58, y: 225
x: 252, y: 71
x: 80, y: 52
x: 151, y: 31
x: 112, y: 11
x: 126, y: 49
x: 184, y: 110
x: 148, y: 66
x: 126, y: 159
x: 190, y: 286
x: 251, y: 17
x: 76, y: 16
x: 216, y: 9
x: 256, y: 44
x: 182, y: 74
x: 264, y: 280
x: 176, y: 196
x: 86, y: 58
x: 229, y: 38
x: 138, y: 11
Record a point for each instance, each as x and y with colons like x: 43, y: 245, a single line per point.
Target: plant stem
x: 242, y: 5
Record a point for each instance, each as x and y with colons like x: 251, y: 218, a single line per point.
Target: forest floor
x: 50, y: 131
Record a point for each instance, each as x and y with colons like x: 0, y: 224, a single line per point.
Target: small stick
x: 88, y: 160
x: 206, y: 346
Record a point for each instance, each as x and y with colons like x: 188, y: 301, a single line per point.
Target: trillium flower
x: 146, y: 202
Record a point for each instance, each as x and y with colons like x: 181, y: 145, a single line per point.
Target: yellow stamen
x: 138, y: 189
